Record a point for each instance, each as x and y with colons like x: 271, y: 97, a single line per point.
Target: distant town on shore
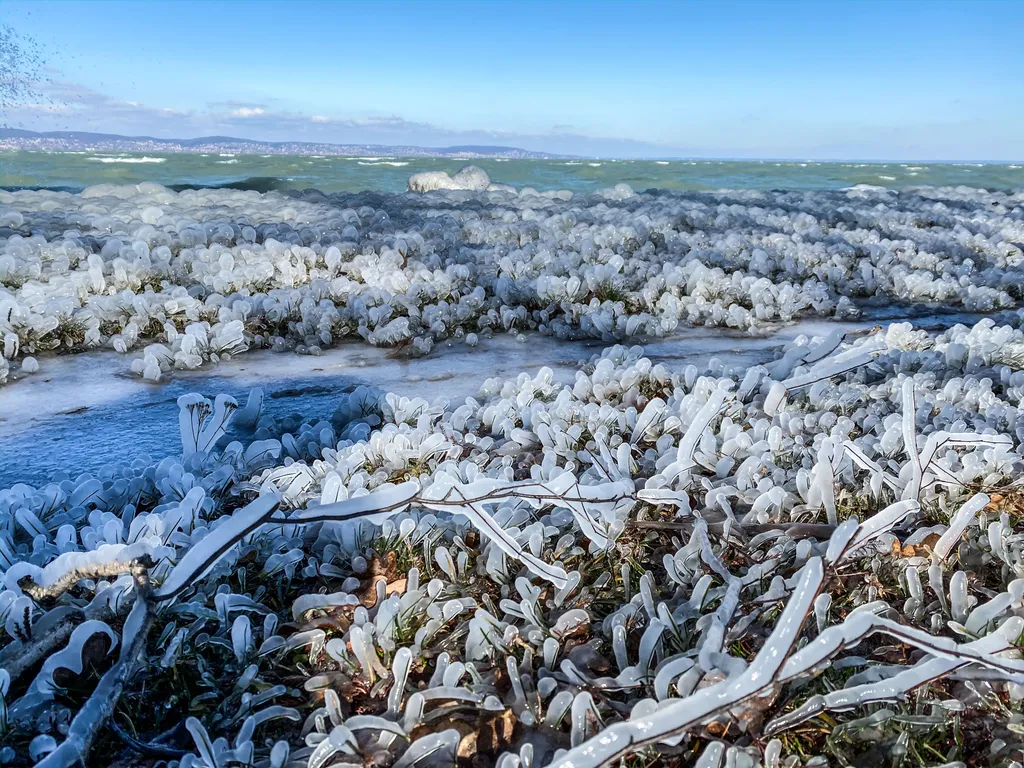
x: 83, y: 141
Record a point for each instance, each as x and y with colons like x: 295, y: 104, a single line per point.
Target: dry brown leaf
x: 467, y: 746
x: 385, y: 570
x: 496, y: 732
x: 717, y: 728
x: 488, y: 733
x: 921, y: 549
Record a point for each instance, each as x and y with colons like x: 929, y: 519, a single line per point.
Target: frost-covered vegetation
x: 179, y: 279
x: 820, y: 561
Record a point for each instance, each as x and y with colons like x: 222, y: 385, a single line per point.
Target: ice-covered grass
x: 793, y: 565
x: 179, y: 279
x: 74, y: 417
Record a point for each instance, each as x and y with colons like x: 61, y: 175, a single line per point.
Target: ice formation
x: 470, y: 178
x: 179, y: 279
x: 648, y: 559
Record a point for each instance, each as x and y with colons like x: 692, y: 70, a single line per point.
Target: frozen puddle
x: 81, y: 412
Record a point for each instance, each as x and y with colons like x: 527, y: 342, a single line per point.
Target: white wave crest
x: 127, y: 159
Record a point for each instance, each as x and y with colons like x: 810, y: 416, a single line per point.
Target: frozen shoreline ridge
x: 178, y: 279
x: 651, y: 554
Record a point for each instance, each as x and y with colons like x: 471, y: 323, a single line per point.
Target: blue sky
x: 802, y: 80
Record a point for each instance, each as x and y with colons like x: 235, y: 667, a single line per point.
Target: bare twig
x: 146, y: 748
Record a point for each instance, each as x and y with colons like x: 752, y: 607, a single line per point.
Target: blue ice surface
x: 83, y: 412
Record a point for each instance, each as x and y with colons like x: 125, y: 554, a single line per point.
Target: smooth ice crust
x: 178, y: 280
x: 507, y: 505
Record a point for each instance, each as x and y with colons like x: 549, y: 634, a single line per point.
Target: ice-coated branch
x: 204, y: 555
x: 563, y: 490
x: 506, y: 543
x: 137, y: 569
x: 842, y: 363
x: 932, y: 667
x: 49, y: 633
x: 679, y: 716
x: 85, y: 726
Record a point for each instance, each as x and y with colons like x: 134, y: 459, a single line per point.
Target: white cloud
x: 75, y: 107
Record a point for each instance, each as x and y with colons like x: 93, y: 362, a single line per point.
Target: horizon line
x: 214, y: 138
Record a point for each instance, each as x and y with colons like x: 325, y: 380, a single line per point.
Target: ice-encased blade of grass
x: 652, y: 412
x: 260, y: 452
x: 247, y: 416
x: 909, y: 426
x: 862, y: 534
x: 694, y: 432
x: 822, y: 489
x: 425, y: 749
x: 958, y: 523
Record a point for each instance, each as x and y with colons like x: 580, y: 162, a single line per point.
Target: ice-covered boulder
x: 469, y: 178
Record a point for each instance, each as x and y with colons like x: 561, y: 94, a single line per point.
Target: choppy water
x: 74, y: 171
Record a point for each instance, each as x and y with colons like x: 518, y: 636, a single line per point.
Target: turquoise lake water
x: 74, y: 171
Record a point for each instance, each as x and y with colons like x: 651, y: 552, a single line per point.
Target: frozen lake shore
x: 74, y: 416
x: 471, y: 517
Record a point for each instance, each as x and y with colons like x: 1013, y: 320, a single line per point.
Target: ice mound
x: 178, y: 279
x: 470, y: 178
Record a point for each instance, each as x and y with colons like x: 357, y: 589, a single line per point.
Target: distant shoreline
x: 82, y: 141
x: 20, y: 140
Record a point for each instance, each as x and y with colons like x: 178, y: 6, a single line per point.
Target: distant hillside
x: 78, y: 141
